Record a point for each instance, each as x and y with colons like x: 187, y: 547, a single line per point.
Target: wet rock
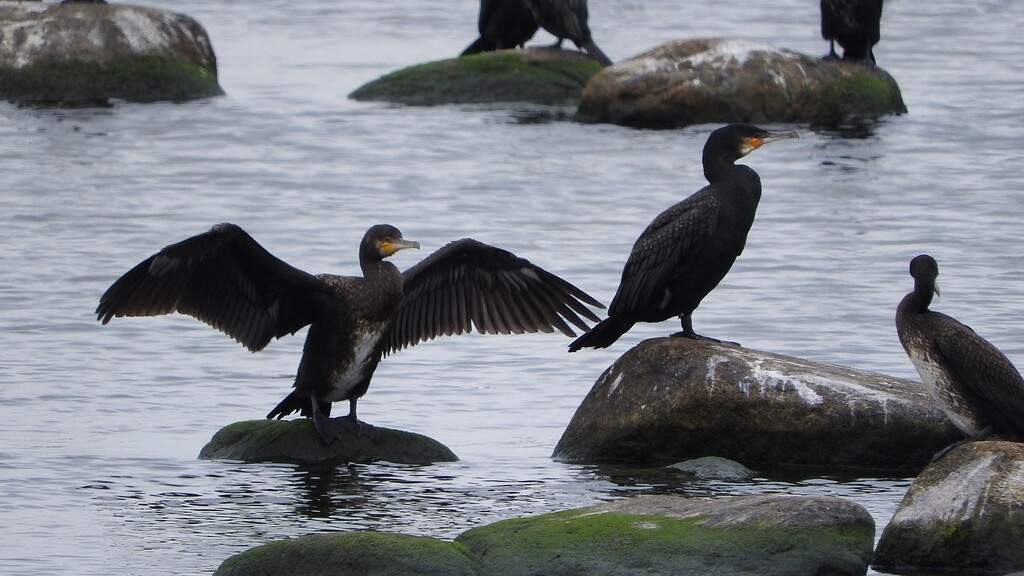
x: 353, y: 553
x: 712, y: 80
x: 963, y: 514
x: 672, y: 535
x: 297, y: 441
x: 539, y: 76
x: 670, y: 399
x: 91, y: 52
x: 714, y: 468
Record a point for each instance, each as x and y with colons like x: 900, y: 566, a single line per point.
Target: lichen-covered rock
x: 538, y: 76
x: 353, y: 553
x: 963, y: 514
x: 89, y: 52
x: 297, y: 441
x: 677, y: 536
x: 713, y: 80
x: 670, y: 399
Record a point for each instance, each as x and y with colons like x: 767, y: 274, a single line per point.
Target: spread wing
x: 664, y: 251
x: 224, y: 278
x: 987, y: 372
x: 467, y: 283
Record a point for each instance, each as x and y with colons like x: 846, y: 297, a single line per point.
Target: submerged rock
x: 669, y: 399
x: 297, y: 441
x: 677, y: 536
x: 714, y: 468
x: 963, y: 514
x: 353, y: 553
x: 713, y: 80
x: 89, y: 52
x: 539, y: 76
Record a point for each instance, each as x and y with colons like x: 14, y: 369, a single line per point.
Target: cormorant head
x: 383, y: 240
x: 735, y: 141
x: 925, y: 271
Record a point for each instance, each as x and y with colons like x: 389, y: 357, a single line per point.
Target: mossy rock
x: 537, y: 76
x: 714, y: 80
x: 671, y: 535
x: 86, y: 53
x: 353, y: 553
x: 298, y: 441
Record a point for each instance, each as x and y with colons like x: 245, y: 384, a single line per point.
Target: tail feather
x: 481, y: 44
x: 294, y: 402
x: 603, y: 335
x: 591, y: 48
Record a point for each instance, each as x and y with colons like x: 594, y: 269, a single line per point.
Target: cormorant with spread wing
x: 687, y: 250
x: 229, y: 281
x: 976, y: 385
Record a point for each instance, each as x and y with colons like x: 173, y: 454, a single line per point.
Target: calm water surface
x: 100, y: 426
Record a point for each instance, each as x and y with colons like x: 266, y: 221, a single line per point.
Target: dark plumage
x: 503, y: 24
x: 567, y: 19
x: 687, y: 250
x: 226, y: 279
x: 854, y: 24
x: 976, y: 385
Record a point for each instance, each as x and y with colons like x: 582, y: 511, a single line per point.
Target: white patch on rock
x: 727, y: 51
x: 953, y: 498
x: 140, y: 30
x: 615, y: 384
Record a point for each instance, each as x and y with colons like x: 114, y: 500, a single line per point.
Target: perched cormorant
x: 567, y: 19
x: 854, y: 24
x: 975, y: 384
x: 226, y: 279
x: 503, y: 24
x: 687, y: 250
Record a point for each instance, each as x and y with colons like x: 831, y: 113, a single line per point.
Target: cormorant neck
x: 717, y: 165
x: 921, y: 297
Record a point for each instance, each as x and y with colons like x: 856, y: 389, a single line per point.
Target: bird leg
x: 985, y: 433
x: 556, y: 45
x: 354, y: 426
x: 324, y: 426
x: 831, y: 51
x: 687, y: 322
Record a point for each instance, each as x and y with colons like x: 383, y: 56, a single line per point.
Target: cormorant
x: 687, y: 250
x: 567, y: 19
x: 503, y: 24
x: 854, y: 24
x: 975, y: 384
x: 229, y: 281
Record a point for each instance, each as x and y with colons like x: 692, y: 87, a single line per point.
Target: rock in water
x: 963, y: 514
x: 670, y: 399
x: 91, y: 52
x: 713, y: 80
x: 298, y: 441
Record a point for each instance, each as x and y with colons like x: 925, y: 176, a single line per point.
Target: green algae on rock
x: 713, y: 80
x: 537, y: 76
x: 353, y: 553
x: 672, y: 535
x: 85, y: 52
x: 297, y: 441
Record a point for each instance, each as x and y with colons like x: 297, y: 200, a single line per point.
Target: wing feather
x: 987, y: 372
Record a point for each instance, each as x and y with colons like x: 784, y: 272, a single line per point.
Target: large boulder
x: 963, y: 514
x: 538, y: 76
x: 670, y: 399
x: 353, y: 553
x: 298, y: 441
x: 714, y: 80
x: 677, y: 536
x: 90, y: 52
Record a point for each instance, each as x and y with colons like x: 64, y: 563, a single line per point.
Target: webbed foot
x: 695, y: 336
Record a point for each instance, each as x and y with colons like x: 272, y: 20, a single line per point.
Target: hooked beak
x: 392, y: 245
x: 758, y: 141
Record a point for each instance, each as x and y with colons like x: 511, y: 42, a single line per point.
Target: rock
x: 297, y: 441
x: 539, y: 76
x: 963, y: 514
x: 711, y: 80
x: 677, y: 536
x: 347, y: 553
x: 669, y: 399
x: 714, y: 468
x: 89, y: 52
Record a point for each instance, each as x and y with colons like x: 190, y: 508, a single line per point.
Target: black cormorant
x: 567, y: 19
x: 854, y: 24
x: 687, y: 250
x: 975, y: 384
x: 503, y: 24
x: 226, y: 279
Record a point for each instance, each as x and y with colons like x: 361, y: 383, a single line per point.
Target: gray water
x: 100, y: 425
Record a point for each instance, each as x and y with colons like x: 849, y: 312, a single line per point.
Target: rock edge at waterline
x: 297, y: 441
x: 715, y: 80
x: 90, y: 52
x: 670, y: 399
